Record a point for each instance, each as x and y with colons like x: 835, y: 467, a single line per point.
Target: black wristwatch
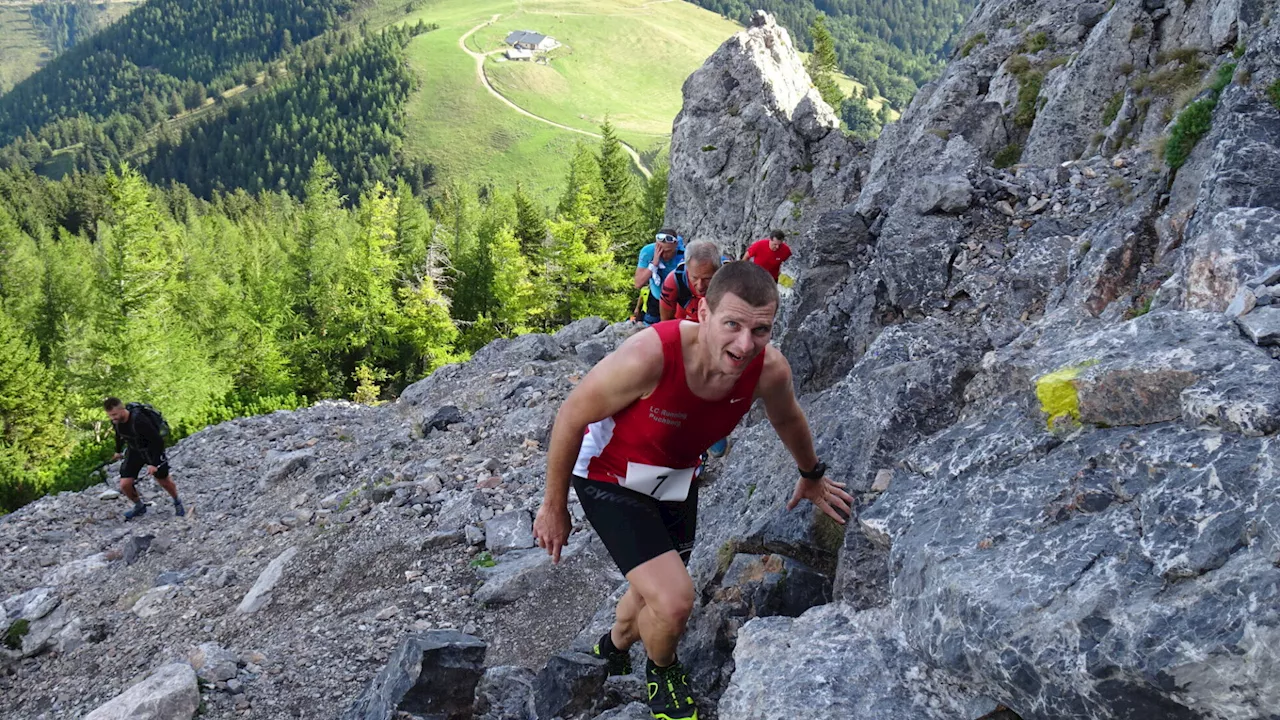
x: 817, y: 473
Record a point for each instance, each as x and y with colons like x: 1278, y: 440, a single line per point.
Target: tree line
x: 892, y: 46
x: 347, y: 108
x: 248, y: 302
x: 63, y: 24
x: 160, y: 48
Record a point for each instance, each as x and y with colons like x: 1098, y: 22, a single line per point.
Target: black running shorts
x: 133, y: 464
x: 635, y: 527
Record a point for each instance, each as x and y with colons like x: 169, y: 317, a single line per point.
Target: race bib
x: 662, y: 483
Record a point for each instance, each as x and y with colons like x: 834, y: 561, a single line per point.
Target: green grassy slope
x: 623, y: 58
x: 23, y: 49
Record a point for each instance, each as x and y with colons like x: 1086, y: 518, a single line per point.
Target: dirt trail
x: 484, y: 80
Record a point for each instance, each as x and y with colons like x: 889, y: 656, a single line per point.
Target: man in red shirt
x: 769, y: 253
x: 628, y: 439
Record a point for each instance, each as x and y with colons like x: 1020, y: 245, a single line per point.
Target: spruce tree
x: 21, y: 273
x: 513, y: 287
x: 823, y: 64
x: 369, y: 310
x: 582, y: 276
x: 314, y: 265
x: 142, y: 345
x: 531, y: 225
x: 653, y: 207
x: 617, y: 205
x: 31, y: 413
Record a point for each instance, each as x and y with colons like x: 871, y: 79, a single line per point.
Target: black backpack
x: 162, y: 425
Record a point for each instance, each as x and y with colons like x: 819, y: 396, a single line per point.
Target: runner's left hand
x: 826, y: 495
x: 151, y: 469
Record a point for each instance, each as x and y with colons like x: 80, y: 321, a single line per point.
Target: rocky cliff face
x: 1053, y: 387
x: 754, y: 147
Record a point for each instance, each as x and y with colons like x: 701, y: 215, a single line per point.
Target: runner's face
x: 736, y: 332
x: 118, y: 414
x: 774, y: 244
x: 666, y: 250
x: 700, y: 274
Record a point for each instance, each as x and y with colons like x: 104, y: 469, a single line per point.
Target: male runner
x: 630, y: 435
x: 137, y: 434
x: 685, y: 287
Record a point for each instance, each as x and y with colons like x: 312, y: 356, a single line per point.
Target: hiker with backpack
x: 141, y: 432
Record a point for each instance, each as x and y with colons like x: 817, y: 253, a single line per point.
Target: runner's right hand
x: 115, y: 457
x: 551, y: 530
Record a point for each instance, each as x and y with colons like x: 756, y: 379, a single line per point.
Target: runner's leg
x: 126, y: 487
x: 625, y: 630
x: 667, y: 590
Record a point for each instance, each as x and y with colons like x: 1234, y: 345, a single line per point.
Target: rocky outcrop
x: 170, y: 693
x: 754, y: 147
x: 1051, y: 388
x: 357, y: 540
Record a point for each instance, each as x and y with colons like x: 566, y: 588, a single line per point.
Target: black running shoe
x: 138, y: 510
x: 619, y: 661
x: 669, y: 696
x: 178, y: 509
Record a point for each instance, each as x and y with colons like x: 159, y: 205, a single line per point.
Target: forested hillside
x: 346, y: 108
x: 162, y: 49
x: 214, y: 309
x: 893, y: 46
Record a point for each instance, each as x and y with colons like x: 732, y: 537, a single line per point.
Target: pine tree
x: 582, y: 276
x: 413, y: 234
x: 823, y: 64
x: 314, y: 266
x: 653, y: 206
x: 144, y: 347
x: 30, y: 407
x: 513, y: 286
x: 858, y: 117
x: 32, y: 433
x: 427, y: 333
x: 21, y: 273
x: 531, y: 225
x: 617, y: 206
x: 369, y: 310
x: 583, y: 179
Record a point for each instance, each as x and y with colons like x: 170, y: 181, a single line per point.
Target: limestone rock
x: 591, y: 351
x: 950, y: 194
x: 1262, y: 325
x: 154, y: 601
x: 785, y: 668
x: 443, y: 417
x: 260, y: 594
x: 754, y: 147
x: 505, y: 693
x: 285, y: 464
x: 433, y: 673
x: 579, y: 331
x: 569, y: 686
x: 213, y: 663
x: 169, y: 693
x: 509, y: 531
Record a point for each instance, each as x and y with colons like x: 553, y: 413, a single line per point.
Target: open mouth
x: 736, y: 359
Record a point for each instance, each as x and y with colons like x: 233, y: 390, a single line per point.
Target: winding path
x: 484, y: 80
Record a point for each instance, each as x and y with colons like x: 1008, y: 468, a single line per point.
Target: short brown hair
x: 111, y: 402
x: 778, y: 235
x: 745, y: 279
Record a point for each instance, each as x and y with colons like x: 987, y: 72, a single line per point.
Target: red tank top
x: 669, y: 429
